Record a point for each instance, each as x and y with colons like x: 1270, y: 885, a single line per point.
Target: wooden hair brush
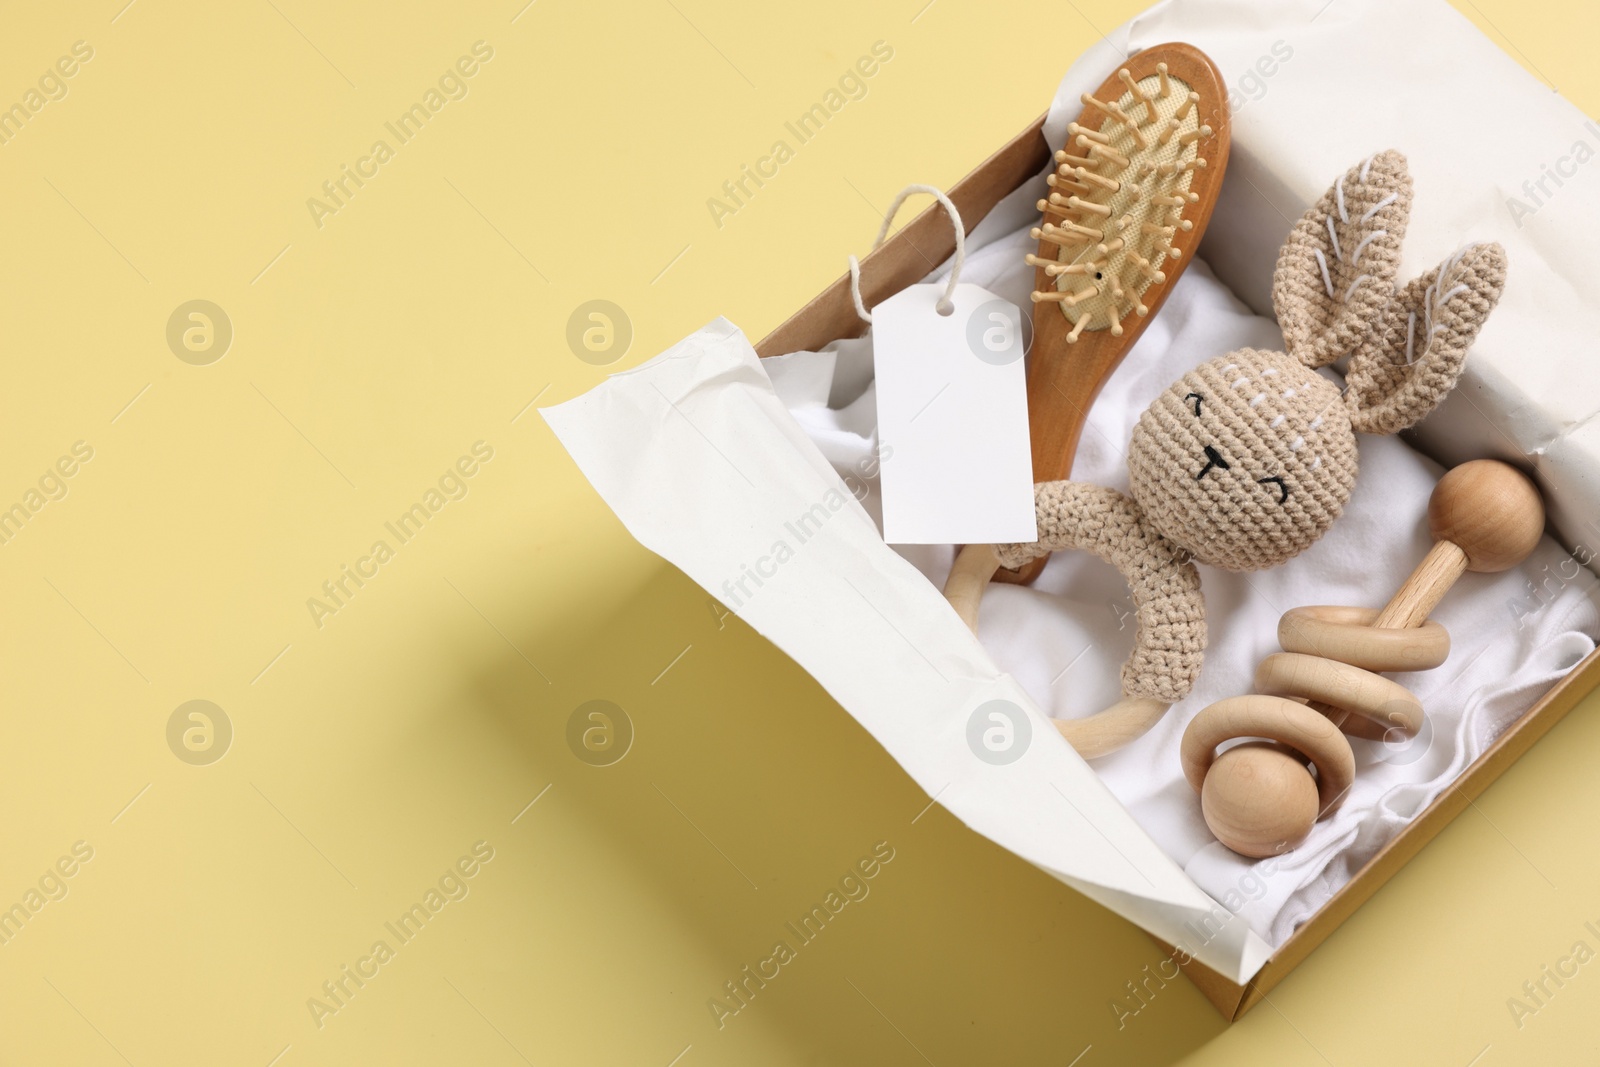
x: 1132, y: 192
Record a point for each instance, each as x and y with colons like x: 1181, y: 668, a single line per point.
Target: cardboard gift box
x: 878, y: 636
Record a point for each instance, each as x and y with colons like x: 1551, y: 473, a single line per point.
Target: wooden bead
x: 1347, y: 634
x: 1490, y: 510
x: 1341, y: 685
x: 1259, y: 800
x: 1275, y: 719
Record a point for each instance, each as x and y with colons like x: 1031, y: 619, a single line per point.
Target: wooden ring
x: 974, y: 568
x: 1127, y: 720
x: 1100, y: 734
x: 1347, y: 635
x: 1373, y: 697
x: 1275, y: 719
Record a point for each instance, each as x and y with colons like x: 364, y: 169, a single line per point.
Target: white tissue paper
x: 758, y: 480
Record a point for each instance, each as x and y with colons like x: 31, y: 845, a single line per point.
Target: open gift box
x: 758, y: 480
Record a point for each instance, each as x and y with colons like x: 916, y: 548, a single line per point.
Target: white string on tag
x: 944, y: 306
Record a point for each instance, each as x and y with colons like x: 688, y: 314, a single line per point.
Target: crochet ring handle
x: 1098, y: 735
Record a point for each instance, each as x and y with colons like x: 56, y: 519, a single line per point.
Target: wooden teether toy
x: 1130, y: 198
x: 1258, y: 797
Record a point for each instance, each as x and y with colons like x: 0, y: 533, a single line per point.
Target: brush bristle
x: 1117, y: 200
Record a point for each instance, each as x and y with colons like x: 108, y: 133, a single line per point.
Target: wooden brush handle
x: 1061, y: 390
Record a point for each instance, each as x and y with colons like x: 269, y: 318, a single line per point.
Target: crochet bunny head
x: 1246, y: 460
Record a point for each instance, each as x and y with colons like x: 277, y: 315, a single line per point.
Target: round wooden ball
x: 1259, y: 800
x: 1490, y: 510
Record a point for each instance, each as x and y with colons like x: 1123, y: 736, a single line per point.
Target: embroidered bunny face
x: 1247, y: 460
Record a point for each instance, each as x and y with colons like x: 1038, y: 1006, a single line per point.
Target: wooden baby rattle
x: 1258, y: 797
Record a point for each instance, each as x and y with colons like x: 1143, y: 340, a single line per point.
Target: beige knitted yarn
x: 1164, y: 585
x: 1328, y: 296
x: 1246, y: 460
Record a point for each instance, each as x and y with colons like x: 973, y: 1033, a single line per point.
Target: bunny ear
x: 1336, y: 271
x: 1408, y: 364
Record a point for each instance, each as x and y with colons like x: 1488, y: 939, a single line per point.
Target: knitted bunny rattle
x: 1245, y: 461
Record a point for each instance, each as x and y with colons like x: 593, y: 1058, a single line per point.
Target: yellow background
x: 424, y: 716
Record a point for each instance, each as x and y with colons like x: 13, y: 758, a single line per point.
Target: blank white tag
x: 953, y: 413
